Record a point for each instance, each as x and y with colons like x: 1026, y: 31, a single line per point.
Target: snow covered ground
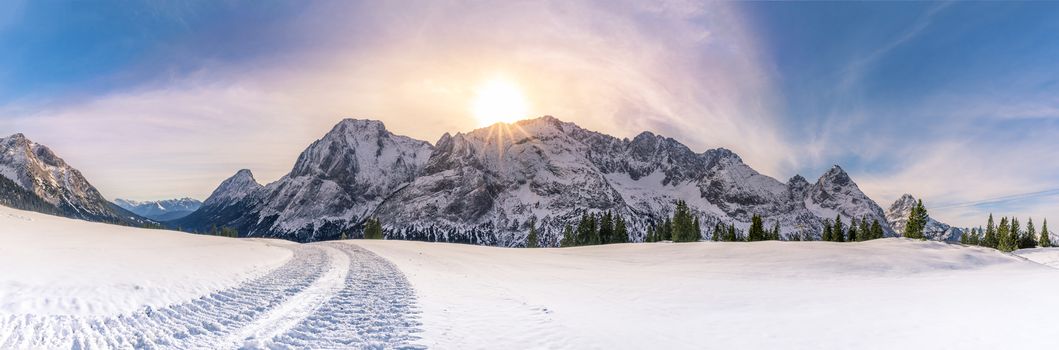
x: 884, y: 294
x: 74, y: 284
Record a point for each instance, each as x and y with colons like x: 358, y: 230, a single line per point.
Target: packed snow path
x: 329, y: 295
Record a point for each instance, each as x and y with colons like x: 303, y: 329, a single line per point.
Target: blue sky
x: 954, y: 102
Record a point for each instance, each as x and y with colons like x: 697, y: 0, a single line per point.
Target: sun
x: 499, y: 100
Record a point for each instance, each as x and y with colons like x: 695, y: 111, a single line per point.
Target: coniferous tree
x: 757, y: 229
x: 864, y: 231
x: 621, y: 232
x: 606, y: 228
x: 1046, y: 239
x: 990, y: 238
x: 531, y: 238
x: 651, y: 236
x: 569, y: 240
x: 852, y: 233
x: 717, y: 232
x: 373, y: 229
x: 1007, y: 241
x: 1029, y: 240
x: 839, y: 233
x: 775, y: 231
x: 917, y: 221
x: 683, y: 230
x: 828, y: 234
x: 876, y: 230
x: 1016, y: 232
x: 976, y: 236
x: 732, y: 234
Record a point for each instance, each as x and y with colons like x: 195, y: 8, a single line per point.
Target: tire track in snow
x: 375, y: 310
x: 329, y: 295
x: 199, y: 323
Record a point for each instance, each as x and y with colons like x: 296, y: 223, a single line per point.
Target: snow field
x: 883, y: 294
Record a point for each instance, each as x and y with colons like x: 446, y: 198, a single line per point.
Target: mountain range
x: 486, y: 186
x: 161, y: 210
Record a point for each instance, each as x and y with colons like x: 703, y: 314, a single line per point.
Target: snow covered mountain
x: 335, y: 184
x: 487, y: 185
x: 897, y: 215
x: 162, y: 210
x: 32, y: 177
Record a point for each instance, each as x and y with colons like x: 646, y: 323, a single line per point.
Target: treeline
x: 856, y: 231
x: 592, y: 229
x: 223, y: 231
x: 681, y: 227
x: 1008, y: 235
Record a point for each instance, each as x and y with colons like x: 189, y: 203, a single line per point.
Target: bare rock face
x: 488, y: 185
x: 33, y: 177
x: 898, y: 213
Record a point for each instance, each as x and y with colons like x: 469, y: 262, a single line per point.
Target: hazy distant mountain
x: 161, y: 210
x: 935, y: 230
x: 485, y: 186
x: 32, y: 177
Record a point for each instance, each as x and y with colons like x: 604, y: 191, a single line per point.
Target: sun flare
x: 499, y: 100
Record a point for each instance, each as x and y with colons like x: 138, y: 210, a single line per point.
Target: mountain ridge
x: 485, y: 185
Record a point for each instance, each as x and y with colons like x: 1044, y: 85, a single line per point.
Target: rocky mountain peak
x: 234, y: 188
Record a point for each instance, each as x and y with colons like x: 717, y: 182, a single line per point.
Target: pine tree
x: 990, y: 238
x: 621, y: 232
x: 1045, y: 240
x: 343, y: 236
x: 839, y: 234
x: 876, y: 230
x: 373, y: 229
x: 828, y: 235
x: 757, y: 229
x: 531, y: 238
x: 1029, y: 240
x: 917, y: 221
x: 717, y: 232
x: 1016, y: 233
x: 864, y: 232
x: 775, y: 231
x: 569, y: 240
x: 853, y: 231
x: 683, y: 230
x: 606, y: 228
x: 1007, y: 241
x: 732, y: 235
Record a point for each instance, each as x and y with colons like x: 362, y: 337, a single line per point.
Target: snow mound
x: 59, y: 266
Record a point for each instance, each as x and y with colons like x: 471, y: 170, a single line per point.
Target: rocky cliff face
x: 898, y: 213
x: 35, y: 178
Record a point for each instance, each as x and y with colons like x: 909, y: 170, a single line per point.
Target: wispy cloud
x: 684, y: 69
